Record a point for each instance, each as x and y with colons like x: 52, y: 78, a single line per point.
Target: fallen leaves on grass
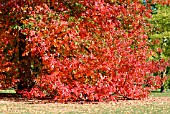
x: 152, y: 105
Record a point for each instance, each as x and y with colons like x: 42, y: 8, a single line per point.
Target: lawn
x: 157, y: 103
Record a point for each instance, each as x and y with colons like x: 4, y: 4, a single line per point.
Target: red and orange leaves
x: 89, y: 50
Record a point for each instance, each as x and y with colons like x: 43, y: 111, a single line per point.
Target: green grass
x: 157, y: 103
x: 156, y: 93
x: 7, y: 91
x: 165, y: 94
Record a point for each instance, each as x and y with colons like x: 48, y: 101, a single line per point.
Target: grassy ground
x: 157, y: 103
x: 8, y: 91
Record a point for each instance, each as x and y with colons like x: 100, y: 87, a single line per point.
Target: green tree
x: 160, y: 35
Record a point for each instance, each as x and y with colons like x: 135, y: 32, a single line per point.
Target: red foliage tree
x: 78, y: 50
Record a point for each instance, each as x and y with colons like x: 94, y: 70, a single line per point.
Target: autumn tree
x: 77, y: 49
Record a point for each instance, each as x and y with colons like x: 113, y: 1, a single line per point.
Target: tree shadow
x: 13, y: 97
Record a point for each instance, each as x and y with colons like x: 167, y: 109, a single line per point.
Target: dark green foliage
x: 160, y: 36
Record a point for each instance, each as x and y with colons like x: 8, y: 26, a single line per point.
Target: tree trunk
x: 26, y: 81
x: 162, y: 85
x: 162, y: 89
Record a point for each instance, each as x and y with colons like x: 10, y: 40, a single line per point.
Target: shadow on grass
x: 10, y: 95
x: 158, y: 91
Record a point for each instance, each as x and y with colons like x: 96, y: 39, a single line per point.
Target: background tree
x: 160, y: 35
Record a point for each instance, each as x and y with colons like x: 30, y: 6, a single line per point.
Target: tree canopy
x: 77, y: 49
